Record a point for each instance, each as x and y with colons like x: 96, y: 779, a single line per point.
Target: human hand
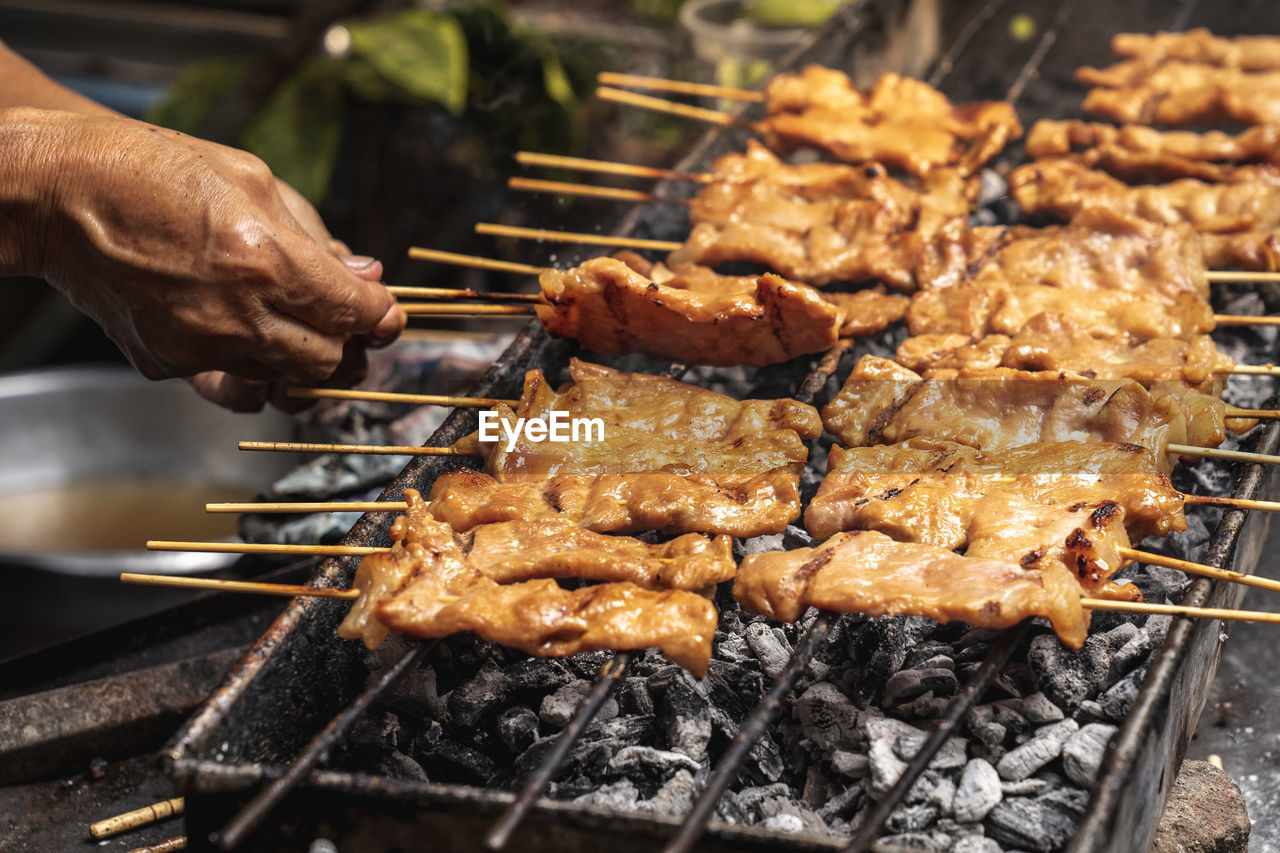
x: 188, y: 255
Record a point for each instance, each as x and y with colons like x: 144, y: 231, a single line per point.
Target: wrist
x: 29, y: 174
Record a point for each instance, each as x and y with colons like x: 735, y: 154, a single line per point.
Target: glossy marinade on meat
x: 868, y: 572
x: 427, y: 586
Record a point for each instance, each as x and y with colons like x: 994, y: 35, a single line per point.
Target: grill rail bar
x: 238, y: 828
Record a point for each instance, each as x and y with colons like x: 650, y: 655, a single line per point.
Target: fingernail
x: 358, y: 262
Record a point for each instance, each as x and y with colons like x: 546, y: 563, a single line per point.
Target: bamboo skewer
x: 495, y: 230
x: 368, y: 449
x: 169, y: 845
x: 309, y: 506
x: 1251, y: 370
x: 664, y: 106
x: 1235, y: 275
x: 138, y: 817
x: 421, y: 254
x: 608, y: 167
x: 398, y: 397
x: 265, y: 548
x: 1180, y: 610
x: 455, y: 293
x: 286, y: 589
x: 1199, y: 569
x: 1218, y: 453
x: 462, y: 309
x: 1245, y: 320
x: 1232, y: 503
x: 294, y: 590
x: 589, y: 190
x: 680, y: 87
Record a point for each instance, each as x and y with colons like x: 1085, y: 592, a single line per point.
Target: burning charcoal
x: 756, y: 545
x: 1007, y: 714
x: 675, y: 797
x: 827, y: 717
x: 1038, y: 709
x: 1119, y: 698
x: 784, y: 823
x: 914, y: 818
x: 1082, y: 753
x: 415, y: 695
x: 886, y: 767
x: 886, y: 643
x: 453, y: 760
x: 633, y: 697
x: 746, y: 803
x: 397, y: 765
x: 1065, y: 798
x: 649, y: 763
x: 1030, y: 824
x: 686, y: 719
x: 980, y: 720
x: 518, y: 728
x: 907, y: 684
x: 801, y: 816
x: 978, y: 791
x: 796, y: 536
x: 855, y: 765
x: 949, y: 757
x: 930, y: 656
x: 588, y: 664
x: 974, y: 844
x: 559, y: 707
x: 770, y: 647
x: 1023, y: 788
x: 491, y: 689
x: 841, y: 803
x: 1133, y: 652
x: 1043, y: 747
x: 914, y: 841
x: 764, y: 761
x: 933, y: 788
x: 1068, y: 677
x: 926, y: 707
x: 621, y: 796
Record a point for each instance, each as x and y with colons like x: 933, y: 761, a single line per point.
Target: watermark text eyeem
x: 556, y: 427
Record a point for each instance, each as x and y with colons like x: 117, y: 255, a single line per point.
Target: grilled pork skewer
x: 1178, y: 93
x: 428, y: 586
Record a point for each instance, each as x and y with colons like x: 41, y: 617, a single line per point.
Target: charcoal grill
x: 299, y: 674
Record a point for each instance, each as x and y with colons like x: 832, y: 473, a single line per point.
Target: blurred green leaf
x: 420, y: 51
x: 792, y: 13
x: 198, y: 88
x: 299, y: 130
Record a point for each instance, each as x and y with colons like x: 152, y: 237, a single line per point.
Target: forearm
x: 24, y: 85
x: 26, y: 171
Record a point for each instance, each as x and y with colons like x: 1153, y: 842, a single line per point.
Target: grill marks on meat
x: 928, y: 490
x: 427, y: 586
x: 653, y: 424
x: 1139, y: 153
x: 868, y: 572
x: 901, y: 122
x: 624, y: 503
x: 883, y: 402
x: 821, y: 222
x: 610, y: 308
x: 1239, y: 221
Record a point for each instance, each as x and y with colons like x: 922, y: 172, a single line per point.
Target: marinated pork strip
x: 1239, y: 222
x: 984, y: 308
x: 868, y: 572
x: 901, y: 122
x: 1181, y: 93
x: 426, y: 587
x: 610, y: 308
x: 885, y: 403
x: 1139, y: 153
x: 1251, y: 53
x: 820, y: 222
x: 515, y: 551
x: 863, y: 312
x: 649, y: 424
x: 1063, y: 189
x: 624, y: 503
x: 1097, y: 250
x: 926, y: 490
x: 1051, y: 342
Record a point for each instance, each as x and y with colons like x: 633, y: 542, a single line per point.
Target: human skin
x: 192, y: 256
